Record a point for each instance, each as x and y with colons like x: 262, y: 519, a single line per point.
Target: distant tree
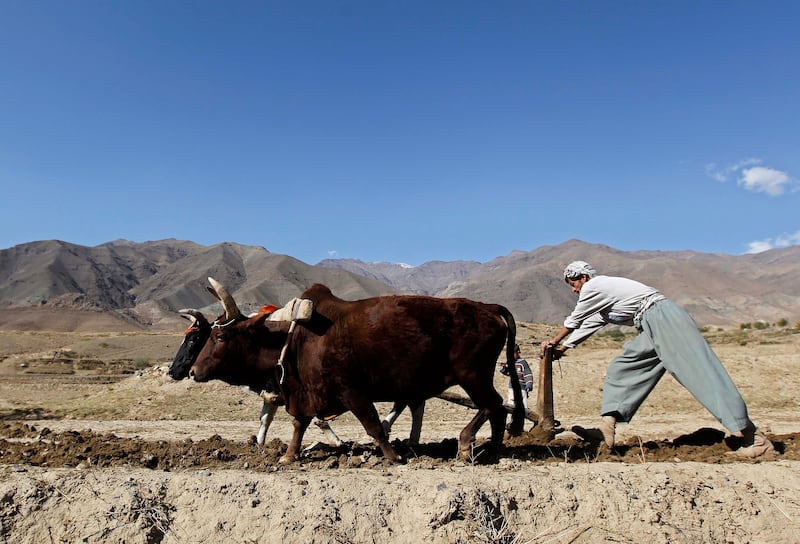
x: 782, y: 322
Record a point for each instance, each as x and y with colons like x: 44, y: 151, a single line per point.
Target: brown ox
x: 350, y: 354
x: 195, y: 338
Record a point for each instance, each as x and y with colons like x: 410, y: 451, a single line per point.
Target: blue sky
x: 401, y: 131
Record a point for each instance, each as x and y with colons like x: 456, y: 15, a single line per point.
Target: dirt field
x: 97, y: 444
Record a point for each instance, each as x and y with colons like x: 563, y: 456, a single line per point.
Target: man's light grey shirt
x: 603, y: 300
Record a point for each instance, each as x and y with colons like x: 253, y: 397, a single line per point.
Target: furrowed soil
x: 98, y: 444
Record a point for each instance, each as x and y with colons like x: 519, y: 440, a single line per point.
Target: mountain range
x: 56, y: 285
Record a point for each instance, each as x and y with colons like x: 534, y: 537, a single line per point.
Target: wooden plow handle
x: 544, y: 400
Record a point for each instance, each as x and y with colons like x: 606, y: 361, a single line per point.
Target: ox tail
x: 518, y: 415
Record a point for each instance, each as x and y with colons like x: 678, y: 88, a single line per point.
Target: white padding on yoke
x: 302, y: 309
x: 297, y: 309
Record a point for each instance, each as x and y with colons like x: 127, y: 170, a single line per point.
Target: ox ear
x: 222, y: 294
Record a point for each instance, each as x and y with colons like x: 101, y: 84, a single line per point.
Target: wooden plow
x: 543, y: 416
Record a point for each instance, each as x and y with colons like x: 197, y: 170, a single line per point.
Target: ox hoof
x: 287, y: 459
x: 392, y: 456
x: 466, y: 455
x: 479, y: 455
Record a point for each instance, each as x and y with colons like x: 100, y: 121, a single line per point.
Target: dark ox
x: 195, y: 337
x: 350, y: 354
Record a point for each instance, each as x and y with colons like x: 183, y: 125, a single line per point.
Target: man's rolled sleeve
x: 584, y: 330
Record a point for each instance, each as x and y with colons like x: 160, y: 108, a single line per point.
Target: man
x: 668, y: 340
x: 525, y: 377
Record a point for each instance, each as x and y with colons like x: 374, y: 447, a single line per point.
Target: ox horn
x: 231, y: 310
x: 195, y: 316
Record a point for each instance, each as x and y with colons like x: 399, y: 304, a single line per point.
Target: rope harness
x: 297, y: 310
x: 283, y: 352
x: 217, y: 325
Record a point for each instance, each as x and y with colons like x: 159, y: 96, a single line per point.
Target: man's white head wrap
x: 579, y: 268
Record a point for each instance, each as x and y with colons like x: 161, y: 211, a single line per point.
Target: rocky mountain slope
x: 716, y: 289
x: 143, y: 284
x: 121, y: 284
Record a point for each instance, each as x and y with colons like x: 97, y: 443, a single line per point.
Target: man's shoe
x: 608, y: 427
x: 594, y: 436
x: 603, y: 433
x: 760, y: 445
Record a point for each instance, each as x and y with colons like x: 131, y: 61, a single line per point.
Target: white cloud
x: 761, y: 179
x: 724, y: 174
x: 784, y: 240
x: 751, y: 175
x: 713, y: 172
x: 332, y: 253
x: 760, y: 245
